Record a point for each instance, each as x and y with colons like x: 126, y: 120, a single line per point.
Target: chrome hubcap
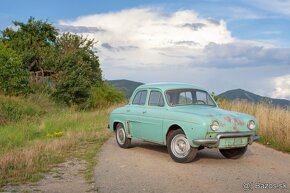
x: 180, y: 146
x: 121, y: 137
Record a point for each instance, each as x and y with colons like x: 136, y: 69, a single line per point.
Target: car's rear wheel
x: 179, y: 147
x: 121, y: 137
x: 234, y: 153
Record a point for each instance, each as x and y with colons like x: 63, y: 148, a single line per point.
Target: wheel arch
x: 173, y: 127
x: 115, y: 123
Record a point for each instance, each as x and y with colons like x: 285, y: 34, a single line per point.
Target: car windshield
x: 178, y: 97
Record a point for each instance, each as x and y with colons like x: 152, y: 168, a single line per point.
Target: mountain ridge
x: 128, y: 87
x: 240, y: 94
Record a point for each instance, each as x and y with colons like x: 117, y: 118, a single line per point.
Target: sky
x: 216, y: 44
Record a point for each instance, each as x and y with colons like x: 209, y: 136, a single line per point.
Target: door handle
x: 144, y: 112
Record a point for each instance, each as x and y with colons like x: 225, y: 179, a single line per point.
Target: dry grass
x: 83, y: 135
x: 274, y: 122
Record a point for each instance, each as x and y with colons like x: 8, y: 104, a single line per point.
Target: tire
x: 178, y: 147
x: 121, y: 137
x: 234, y: 153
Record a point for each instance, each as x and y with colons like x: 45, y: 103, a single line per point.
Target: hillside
x: 239, y: 94
x: 126, y: 86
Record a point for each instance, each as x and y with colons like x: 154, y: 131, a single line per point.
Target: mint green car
x: 185, y: 118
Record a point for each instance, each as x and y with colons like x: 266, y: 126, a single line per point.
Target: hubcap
x: 180, y: 146
x: 121, y: 137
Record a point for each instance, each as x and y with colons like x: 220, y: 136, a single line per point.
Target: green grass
x: 33, y: 144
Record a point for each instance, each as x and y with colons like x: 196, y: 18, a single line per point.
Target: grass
x: 37, y: 134
x: 32, y: 145
x: 274, y: 122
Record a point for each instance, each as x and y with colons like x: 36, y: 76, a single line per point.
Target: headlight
x: 214, y: 125
x: 251, y: 124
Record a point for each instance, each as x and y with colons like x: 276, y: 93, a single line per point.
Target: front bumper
x: 215, y: 141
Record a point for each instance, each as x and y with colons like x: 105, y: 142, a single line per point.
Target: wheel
x: 234, y: 153
x: 179, y: 148
x: 121, y: 138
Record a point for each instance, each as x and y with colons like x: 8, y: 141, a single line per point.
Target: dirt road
x: 148, y: 168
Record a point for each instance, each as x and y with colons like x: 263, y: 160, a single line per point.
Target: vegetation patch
x: 29, y: 148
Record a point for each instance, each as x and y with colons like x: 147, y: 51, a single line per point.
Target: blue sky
x: 235, y: 44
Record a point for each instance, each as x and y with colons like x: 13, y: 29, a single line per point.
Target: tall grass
x: 274, y: 122
x: 30, y: 146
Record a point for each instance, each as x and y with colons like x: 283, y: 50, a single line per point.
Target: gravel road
x: 148, y: 168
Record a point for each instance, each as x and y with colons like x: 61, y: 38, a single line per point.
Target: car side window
x: 140, y: 98
x: 185, y: 98
x: 156, y: 99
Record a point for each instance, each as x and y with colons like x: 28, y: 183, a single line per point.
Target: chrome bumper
x: 215, y: 141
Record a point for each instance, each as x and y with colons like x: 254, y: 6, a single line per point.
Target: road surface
x: 148, y: 168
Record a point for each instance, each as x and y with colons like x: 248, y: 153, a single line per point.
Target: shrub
x: 77, y: 70
x: 103, y: 95
x: 13, y: 77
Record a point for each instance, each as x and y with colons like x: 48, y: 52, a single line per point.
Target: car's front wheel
x: 121, y: 137
x: 179, y: 147
x: 234, y: 153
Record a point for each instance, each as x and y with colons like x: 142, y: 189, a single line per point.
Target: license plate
x: 233, y: 142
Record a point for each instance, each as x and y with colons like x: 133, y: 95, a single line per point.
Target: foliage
x: 13, y: 77
x: 78, y: 69
x: 103, y: 95
x: 33, y: 41
x: 36, y: 46
x: 215, y: 97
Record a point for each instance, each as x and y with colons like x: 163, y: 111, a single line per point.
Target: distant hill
x: 126, y: 86
x: 239, y: 94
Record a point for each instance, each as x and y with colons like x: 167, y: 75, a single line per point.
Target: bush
x: 77, y: 70
x: 103, y: 95
x: 13, y: 77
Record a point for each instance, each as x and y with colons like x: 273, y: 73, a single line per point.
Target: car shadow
x: 201, y: 154
x: 209, y: 154
x: 149, y: 146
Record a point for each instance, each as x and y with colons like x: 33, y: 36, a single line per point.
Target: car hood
x: 228, y: 120
x: 209, y: 111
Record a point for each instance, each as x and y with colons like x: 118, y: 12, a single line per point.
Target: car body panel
x: 152, y: 123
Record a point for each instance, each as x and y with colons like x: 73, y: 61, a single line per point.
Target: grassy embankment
x: 274, y: 122
x: 36, y: 134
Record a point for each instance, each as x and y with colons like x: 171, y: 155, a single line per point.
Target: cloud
x: 150, y: 45
x: 282, y: 87
x: 78, y: 29
x: 277, y: 6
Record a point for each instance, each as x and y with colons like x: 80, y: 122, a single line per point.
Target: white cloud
x: 282, y: 85
x: 151, y: 45
x: 152, y: 33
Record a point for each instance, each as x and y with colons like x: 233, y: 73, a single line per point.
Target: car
x: 183, y: 117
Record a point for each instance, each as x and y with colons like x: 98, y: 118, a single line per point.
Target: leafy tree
x: 13, y: 77
x: 78, y: 69
x: 33, y: 40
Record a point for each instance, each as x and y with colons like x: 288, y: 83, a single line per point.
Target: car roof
x: 168, y: 85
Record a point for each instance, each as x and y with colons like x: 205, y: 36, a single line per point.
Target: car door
x: 134, y: 114
x: 152, y: 117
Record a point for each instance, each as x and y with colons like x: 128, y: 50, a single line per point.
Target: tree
x: 13, y: 77
x: 33, y: 40
x: 78, y: 69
